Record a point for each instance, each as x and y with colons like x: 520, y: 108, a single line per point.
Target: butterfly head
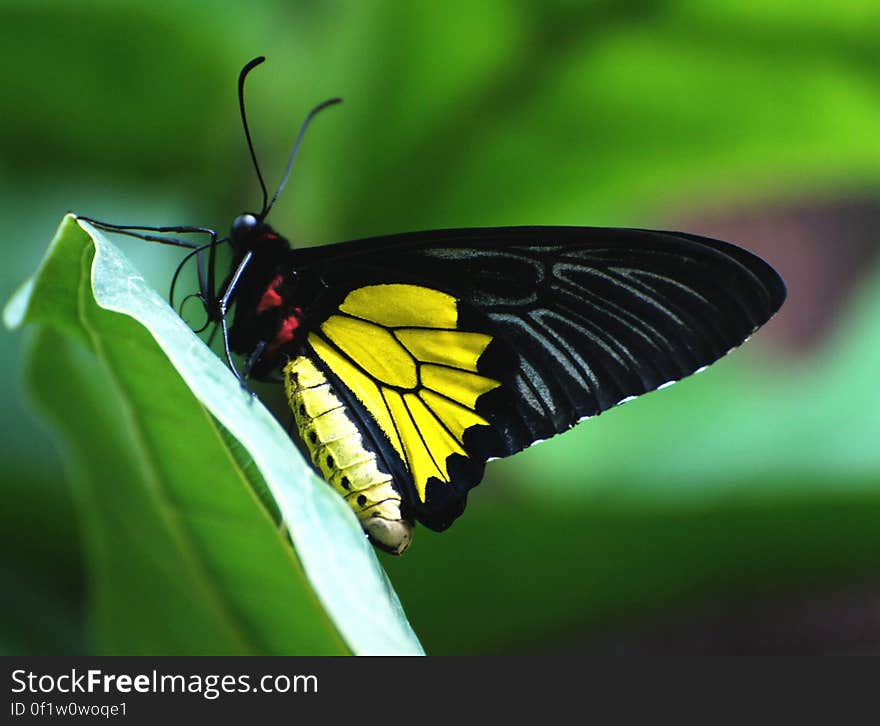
x: 244, y: 228
x: 250, y: 233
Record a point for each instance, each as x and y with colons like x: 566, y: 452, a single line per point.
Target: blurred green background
x: 736, y: 512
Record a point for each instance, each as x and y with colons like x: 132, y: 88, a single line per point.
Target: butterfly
x: 411, y: 360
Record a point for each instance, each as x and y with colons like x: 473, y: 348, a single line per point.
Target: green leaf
x: 184, y: 554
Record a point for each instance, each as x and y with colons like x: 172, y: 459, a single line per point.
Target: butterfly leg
x: 253, y: 358
x: 142, y: 232
x: 206, y: 279
x: 228, y: 351
x: 219, y: 312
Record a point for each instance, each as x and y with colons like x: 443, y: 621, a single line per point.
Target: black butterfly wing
x: 580, y: 319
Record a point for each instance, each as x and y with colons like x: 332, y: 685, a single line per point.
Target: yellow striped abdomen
x: 337, y: 450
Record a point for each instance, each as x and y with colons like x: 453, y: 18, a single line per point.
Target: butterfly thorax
x: 267, y: 316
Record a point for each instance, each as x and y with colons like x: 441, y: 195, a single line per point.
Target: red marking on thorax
x: 287, y: 330
x: 271, y: 298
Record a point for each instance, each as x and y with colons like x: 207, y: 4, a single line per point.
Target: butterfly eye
x: 243, y: 227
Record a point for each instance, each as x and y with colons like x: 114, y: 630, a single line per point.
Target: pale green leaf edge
x: 340, y: 564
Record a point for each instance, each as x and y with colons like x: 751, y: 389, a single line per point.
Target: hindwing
x: 412, y: 370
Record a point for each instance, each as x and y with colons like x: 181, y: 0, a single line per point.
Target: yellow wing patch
x: 449, y: 347
x: 397, y: 306
x: 399, y: 350
x: 374, y: 349
x: 367, y: 392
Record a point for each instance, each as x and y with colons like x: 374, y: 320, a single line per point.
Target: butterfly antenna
x: 299, y: 137
x: 247, y: 133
